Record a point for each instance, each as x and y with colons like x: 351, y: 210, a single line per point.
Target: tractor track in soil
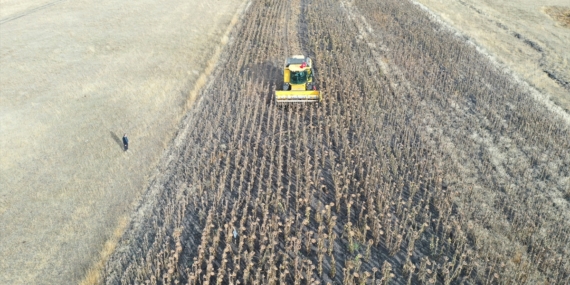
x: 29, y: 11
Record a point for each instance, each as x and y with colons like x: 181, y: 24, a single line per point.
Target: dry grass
x: 560, y: 14
x: 76, y: 75
x: 93, y: 275
x: 425, y: 163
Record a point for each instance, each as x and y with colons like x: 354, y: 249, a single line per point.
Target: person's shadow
x: 117, y: 139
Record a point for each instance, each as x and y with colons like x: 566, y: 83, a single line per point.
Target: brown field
x: 75, y: 76
x: 428, y: 162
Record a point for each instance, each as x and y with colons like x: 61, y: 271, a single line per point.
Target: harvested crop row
x: 396, y: 177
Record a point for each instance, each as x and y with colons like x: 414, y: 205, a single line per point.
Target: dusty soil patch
x: 74, y: 76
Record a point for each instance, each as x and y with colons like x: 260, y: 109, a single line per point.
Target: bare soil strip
x: 426, y: 163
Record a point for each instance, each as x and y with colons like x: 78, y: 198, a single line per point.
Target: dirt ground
x: 75, y: 76
x: 519, y: 34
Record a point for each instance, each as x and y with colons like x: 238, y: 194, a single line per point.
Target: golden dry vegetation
x: 559, y: 14
x: 75, y: 76
x: 424, y: 164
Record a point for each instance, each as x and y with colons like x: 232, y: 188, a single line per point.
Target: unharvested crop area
x: 424, y: 164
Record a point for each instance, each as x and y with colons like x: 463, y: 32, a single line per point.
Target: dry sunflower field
x: 424, y: 164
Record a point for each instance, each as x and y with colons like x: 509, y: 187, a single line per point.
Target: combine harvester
x: 298, y: 82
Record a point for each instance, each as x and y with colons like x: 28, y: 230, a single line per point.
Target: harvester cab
x: 298, y: 81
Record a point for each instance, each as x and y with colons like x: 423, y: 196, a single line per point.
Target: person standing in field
x: 125, y: 142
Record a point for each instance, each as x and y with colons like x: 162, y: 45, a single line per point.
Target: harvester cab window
x: 298, y: 77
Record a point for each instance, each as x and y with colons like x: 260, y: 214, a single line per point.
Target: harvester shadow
x: 268, y: 74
